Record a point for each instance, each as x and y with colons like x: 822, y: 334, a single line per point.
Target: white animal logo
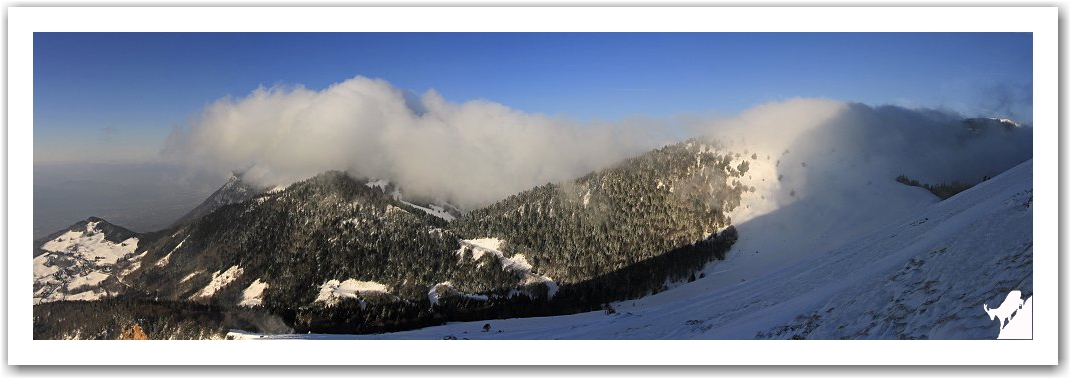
x: 1006, y: 311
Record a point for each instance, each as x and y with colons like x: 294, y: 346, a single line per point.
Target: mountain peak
x: 94, y: 219
x: 982, y: 124
x: 233, y: 191
x: 1008, y: 121
x: 93, y: 224
x: 237, y: 175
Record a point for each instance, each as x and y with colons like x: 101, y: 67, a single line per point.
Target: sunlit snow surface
x: 219, y: 280
x: 167, y: 259
x: 254, y: 294
x: 76, y: 263
x: 333, y: 291
x: 91, y: 245
x: 188, y: 277
x: 518, y: 263
x: 923, y: 271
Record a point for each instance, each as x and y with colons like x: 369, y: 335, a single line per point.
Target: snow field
x: 254, y: 294
x: 332, y: 291
x: 91, y: 245
x: 219, y: 280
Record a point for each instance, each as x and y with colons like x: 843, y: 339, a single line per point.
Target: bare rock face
x: 133, y: 333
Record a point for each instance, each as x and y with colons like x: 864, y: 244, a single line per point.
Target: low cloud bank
x: 477, y: 152
x: 821, y: 148
x: 470, y: 153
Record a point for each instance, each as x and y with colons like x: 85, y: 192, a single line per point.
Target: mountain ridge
x: 282, y: 244
x: 342, y: 254
x: 235, y: 190
x: 905, y: 280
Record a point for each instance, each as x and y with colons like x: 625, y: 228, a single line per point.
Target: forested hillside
x: 340, y: 254
x: 234, y: 191
x: 595, y: 228
x: 115, y: 318
x: 281, y: 250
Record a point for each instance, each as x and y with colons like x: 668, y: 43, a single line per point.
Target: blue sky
x: 116, y: 96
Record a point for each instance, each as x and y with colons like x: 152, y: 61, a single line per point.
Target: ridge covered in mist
x: 470, y: 154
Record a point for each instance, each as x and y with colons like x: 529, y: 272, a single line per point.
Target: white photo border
x: 1041, y: 21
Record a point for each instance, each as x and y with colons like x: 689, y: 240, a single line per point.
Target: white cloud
x: 810, y: 148
x: 472, y: 153
x: 477, y: 152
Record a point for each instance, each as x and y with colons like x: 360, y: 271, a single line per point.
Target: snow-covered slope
x: 518, y: 264
x: 219, y: 280
x: 333, y: 291
x: 926, y: 274
x: 78, y: 263
x: 809, y: 227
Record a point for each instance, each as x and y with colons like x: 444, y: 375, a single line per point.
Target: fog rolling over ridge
x: 798, y: 184
x: 477, y: 152
x: 809, y: 148
x: 471, y: 153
